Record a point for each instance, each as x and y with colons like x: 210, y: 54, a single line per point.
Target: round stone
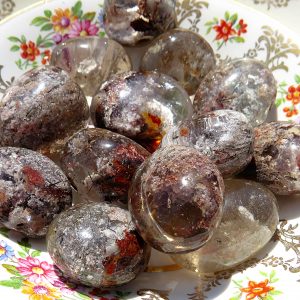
x: 33, y: 191
x: 101, y: 163
x: 181, y: 54
x: 225, y: 136
x: 41, y: 108
x: 96, y: 244
x: 277, y: 157
x: 131, y: 21
x: 244, y: 85
x: 176, y: 199
x: 249, y: 221
x: 140, y: 105
x: 90, y: 61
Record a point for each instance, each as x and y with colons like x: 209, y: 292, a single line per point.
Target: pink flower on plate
x: 36, y: 271
x: 83, y: 28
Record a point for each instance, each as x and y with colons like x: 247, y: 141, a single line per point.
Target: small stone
x: 225, y: 136
x: 131, y: 21
x: 96, y: 244
x: 140, y: 105
x: 181, y: 54
x: 101, y: 163
x: 33, y: 191
x: 244, y: 85
x: 176, y: 199
x: 249, y: 221
x: 90, y: 61
x: 41, y: 109
x: 277, y: 157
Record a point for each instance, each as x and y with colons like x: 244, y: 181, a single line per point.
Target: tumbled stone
x: 101, y: 163
x: 90, y: 61
x: 181, y: 54
x: 132, y: 21
x: 244, y: 85
x: 249, y: 221
x: 277, y: 157
x: 176, y: 199
x: 96, y: 244
x: 33, y: 191
x: 40, y: 109
x: 225, y: 136
x: 140, y: 105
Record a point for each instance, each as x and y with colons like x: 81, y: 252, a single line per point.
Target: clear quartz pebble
x: 277, y: 157
x: 225, y: 136
x: 244, y: 85
x: 91, y: 60
x: 96, y: 244
x: 176, y: 199
x: 181, y: 54
x: 131, y: 21
x: 249, y: 221
x: 140, y: 105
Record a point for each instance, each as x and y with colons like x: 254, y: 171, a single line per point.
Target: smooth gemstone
x: 140, y: 105
x: 96, y: 244
x: 33, y: 191
x: 41, y: 109
x: 131, y: 21
x: 176, y: 199
x: 225, y: 136
x: 244, y: 85
x: 277, y: 157
x: 101, y: 163
x: 181, y: 54
x: 90, y: 61
x: 249, y: 221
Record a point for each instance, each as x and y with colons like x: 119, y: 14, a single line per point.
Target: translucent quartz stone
x: 249, y: 221
x: 277, y: 157
x: 101, y: 163
x: 131, y: 21
x: 181, y: 54
x: 176, y: 199
x: 96, y: 244
x: 33, y: 191
x: 243, y: 85
x: 225, y: 136
x: 90, y: 61
x: 140, y: 105
x: 40, y: 109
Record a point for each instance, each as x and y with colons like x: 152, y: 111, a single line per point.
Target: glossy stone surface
x: 249, y: 221
x: 243, y: 85
x: 90, y: 61
x: 33, y: 191
x: 101, y: 163
x: 176, y: 199
x: 181, y: 54
x: 225, y: 136
x: 131, y: 21
x: 41, y: 108
x: 96, y: 244
x: 140, y: 105
x: 277, y: 157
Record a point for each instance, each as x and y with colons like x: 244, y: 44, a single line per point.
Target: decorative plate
x: 26, y: 271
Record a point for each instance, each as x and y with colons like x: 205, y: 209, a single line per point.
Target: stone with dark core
x: 176, y: 199
x: 181, y: 54
x: 101, y: 163
x: 277, y: 157
x: 33, y: 191
x: 244, y: 85
x: 96, y: 244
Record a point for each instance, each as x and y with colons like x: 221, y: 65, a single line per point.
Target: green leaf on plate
x: 11, y: 269
x: 76, y: 9
x: 14, y: 39
x: 15, y: 283
x: 48, y: 13
x: 278, y: 102
x: 233, y: 18
x: 22, y: 254
x: 227, y: 15
x: 239, y: 39
x: 35, y: 253
x: 263, y: 273
x: 47, y: 44
x: 38, y: 21
x: 89, y: 16
x: 15, y: 48
x: 25, y: 245
x: 297, y: 79
x: 47, y: 27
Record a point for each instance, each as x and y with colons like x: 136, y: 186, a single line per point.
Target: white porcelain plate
x: 26, y: 271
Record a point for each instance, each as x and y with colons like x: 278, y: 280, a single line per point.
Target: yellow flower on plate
x: 62, y: 20
x: 40, y: 291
